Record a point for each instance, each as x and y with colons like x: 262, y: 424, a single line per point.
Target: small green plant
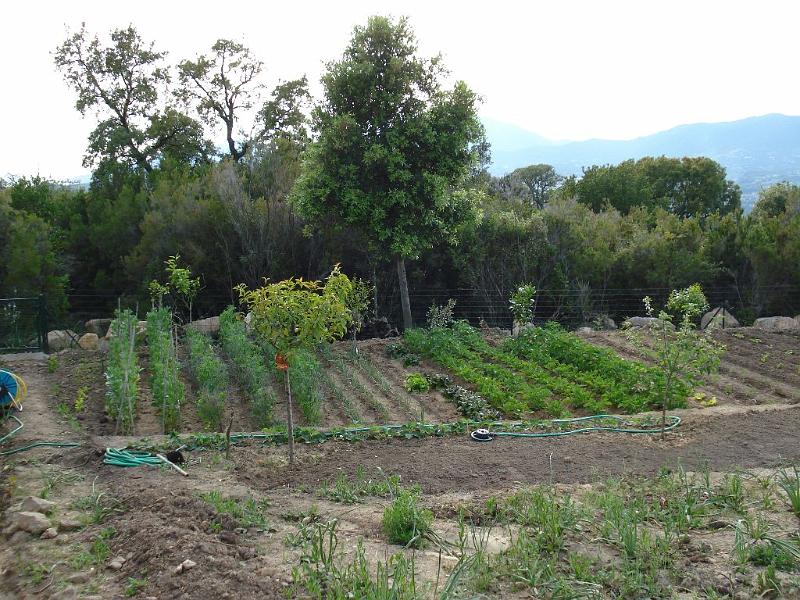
x: 52, y: 364
x: 523, y: 303
x: 682, y: 354
x: 416, y: 382
x: 134, y: 586
x: 80, y: 399
x: 440, y: 317
x: 349, y: 491
x: 168, y: 389
x: 789, y: 482
x: 248, y: 512
x: 404, y: 521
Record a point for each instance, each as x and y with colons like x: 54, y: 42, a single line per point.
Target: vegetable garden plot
x: 544, y: 369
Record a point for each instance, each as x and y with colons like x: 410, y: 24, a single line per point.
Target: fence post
x: 43, y: 344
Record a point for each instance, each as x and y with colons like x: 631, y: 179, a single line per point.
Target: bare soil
x: 159, y: 519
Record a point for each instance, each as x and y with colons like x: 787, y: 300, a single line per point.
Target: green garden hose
x: 120, y: 457
x: 485, y: 435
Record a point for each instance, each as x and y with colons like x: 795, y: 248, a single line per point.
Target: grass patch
x: 247, y: 512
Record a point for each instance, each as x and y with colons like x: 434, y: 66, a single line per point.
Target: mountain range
x: 756, y: 151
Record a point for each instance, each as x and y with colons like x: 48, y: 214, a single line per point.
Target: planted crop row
x: 165, y: 382
x: 211, y: 374
x: 628, y: 385
x: 353, y: 382
x: 304, y: 379
x: 250, y: 366
x: 122, y: 372
x: 503, y: 388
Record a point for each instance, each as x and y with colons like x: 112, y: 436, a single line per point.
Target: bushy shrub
x: 441, y: 316
x: 404, y: 522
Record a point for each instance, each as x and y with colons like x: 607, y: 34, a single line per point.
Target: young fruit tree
x: 522, y: 304
x: 392, y: 147
x: 681, y: 352
x: 295, y: 315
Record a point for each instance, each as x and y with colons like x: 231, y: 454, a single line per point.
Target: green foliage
x: 522, y: 303
x: 304, y: 377
x: 441, y: 316
x: 211, y: 374
x: 296, y: 314
x: 122, y: 372
x: 165, y: 382
x: 470, y: 404
x: 248, y: 512
x: 321, y: 577
x: 416, y: 382
x: 249, y: 365
x: 347, y: 491
x: 789, y: 482
x: 401, y: 352
x: 404, y: 521
x: 683, y: 355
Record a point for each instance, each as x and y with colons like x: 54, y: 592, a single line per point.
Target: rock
x: 519, y: 327
x: 184, y: 566
x: 9, y: 531
x: 209, y: 326
x: 718, y: 318
x: 116, y: 563
x: 34, y: 504
x: 102, y: 345
x: 69, y: 524
x: 80, y: 578
x: 49, y: 533
x: 584, y: 330
x: 228, y: 537
x: 32, y: 522
x: 61, y: 339
x: 20, y: 537
x: 645, y: 322
x: 248, y: 322
x: 89, y: 341
x: 777, y: 324
x: 99, y: 327
x: 605, y: 322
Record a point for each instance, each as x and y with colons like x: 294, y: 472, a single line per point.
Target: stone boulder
x: 777, y: 324
x: 99, y: 327
x: 209, y: 326
x: 89, y: 341
x: 718, y: 318
x: 584, y: 330
x: 32, y: 522
x: 604, y: 322
x: 34, y: 504
x: 61, y: 339
x: 642, y: 322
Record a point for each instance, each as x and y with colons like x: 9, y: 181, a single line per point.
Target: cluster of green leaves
x: 404, y: 521
x: 248, y: 512
x: 249, y: 364
x: 543, y: 368
x: 522, y: 303
x: 353, y: 491
x: 122, y: 372
x: 401, y: 352
x: 440, y: 316
x: 416, y: 382
x: 211, y: 374
x: 165, y: 382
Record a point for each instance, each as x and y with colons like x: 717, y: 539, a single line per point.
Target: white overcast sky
x: 563, y: 69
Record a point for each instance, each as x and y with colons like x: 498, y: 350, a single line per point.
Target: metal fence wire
x: 23, y: 324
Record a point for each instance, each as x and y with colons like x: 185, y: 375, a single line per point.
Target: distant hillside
x: 756, y: 151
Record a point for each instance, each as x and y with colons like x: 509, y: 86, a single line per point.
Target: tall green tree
x: 121, y: 82
x: 225, y: 86
x: 392, y: 145
x: 539, y: 181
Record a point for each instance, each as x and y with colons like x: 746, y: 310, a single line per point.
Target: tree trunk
x: 289, y: 421
x: 405, y: 303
